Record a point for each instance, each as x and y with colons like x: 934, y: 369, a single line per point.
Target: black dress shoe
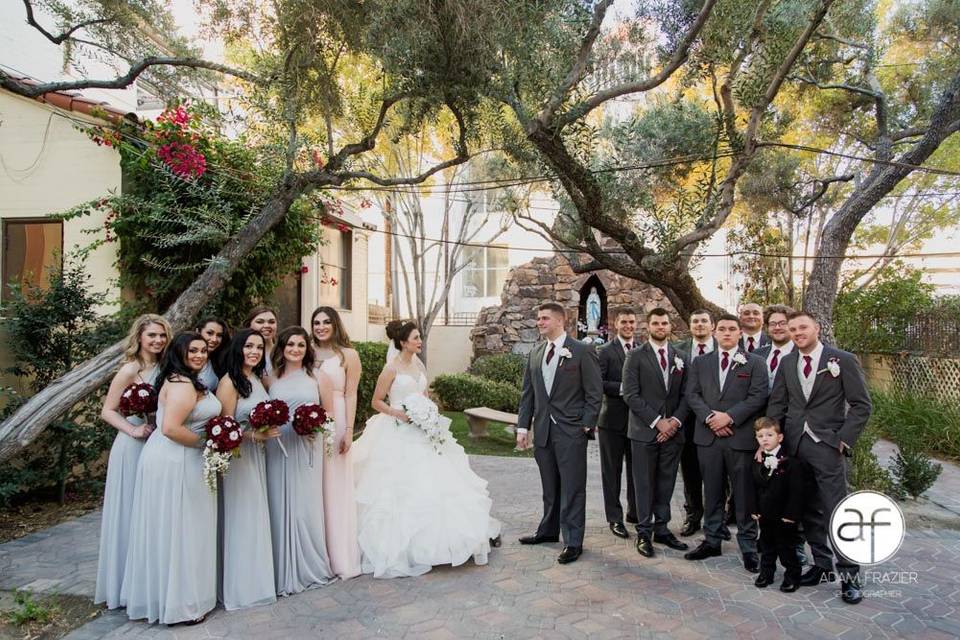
x: 632, y: 520
x: 644, y: 547
x: 690, y: 527
x: 725, y: 533
x: 705, y: 550
x: 671, y: 541
x: 569, y: 554
x: 789, y: 585
x: 496, y: 542
x: 763, y: 580
x: 850, y: 591
x: 535, y: 539
x: 619, y: 530
x: 814, y: 576
x: 751, y: 562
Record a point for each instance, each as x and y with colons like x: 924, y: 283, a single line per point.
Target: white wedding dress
x: 417, y: 508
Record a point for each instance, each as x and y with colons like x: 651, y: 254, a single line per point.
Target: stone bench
x: 478, y: 418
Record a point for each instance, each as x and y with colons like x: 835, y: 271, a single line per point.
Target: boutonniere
x: 739, y: 358
x: 771, y: 463
x: 677, y: 364
x: 833, y: 366
x: 564, y: 354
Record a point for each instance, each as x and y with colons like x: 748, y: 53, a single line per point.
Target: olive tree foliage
x: 286, y: 58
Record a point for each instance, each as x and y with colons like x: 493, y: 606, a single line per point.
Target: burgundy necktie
x: 725, y: 362
x: 663, y: 360
x: 807, y: 368
x: 550, y: 352
x: 627, y: 346
x: 702, y: 348
x: 750, y: 346
x: 775, y: 359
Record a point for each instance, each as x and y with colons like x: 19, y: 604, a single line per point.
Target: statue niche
x: 592, y: 311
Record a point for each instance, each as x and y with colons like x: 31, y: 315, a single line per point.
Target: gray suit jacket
x: 764, y: 341
x: 645, y: 394
x: 574, y: 401
x: 838, y: 408
x: 744, y: 396
x: 613, y: 412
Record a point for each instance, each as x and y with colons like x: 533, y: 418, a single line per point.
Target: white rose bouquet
x: 425, y: 415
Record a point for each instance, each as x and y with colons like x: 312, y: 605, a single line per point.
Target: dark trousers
x: 826, y: 487
x: 563, y: 476
x: 654, y: 477
x: 692, y: 482
x: 716, y: 459
x: 614, y: 450
x: 778, y: 539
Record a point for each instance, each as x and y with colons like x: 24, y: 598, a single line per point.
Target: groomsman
x: 780, y: 344
x: 820, y: 397
x: 751, y: 325
x: 700, y: 343
x: 561, y: 397
x: 654, y: 381
x: 727, y: 391
x: 612, y: 426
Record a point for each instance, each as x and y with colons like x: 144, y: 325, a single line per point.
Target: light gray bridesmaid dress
x: 171, y: 569
x: 248, y: 578
x: 209, y: 377
x: 295, y: 491
x: 117, y: 507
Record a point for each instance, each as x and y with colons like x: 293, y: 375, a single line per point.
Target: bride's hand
x: 401, y: 416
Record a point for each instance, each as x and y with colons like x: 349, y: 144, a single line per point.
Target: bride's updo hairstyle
x: 399, y: 331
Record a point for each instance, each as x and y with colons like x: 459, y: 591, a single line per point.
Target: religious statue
x: 593, y: 311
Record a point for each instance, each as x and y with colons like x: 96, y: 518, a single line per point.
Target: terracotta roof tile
x: 74, y: 101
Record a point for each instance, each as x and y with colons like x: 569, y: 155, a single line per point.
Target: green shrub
x: 29, y: 610
x: 913, y: 470
x: 373, y: 355
x: 503, y: 367
x: 930, y: 424
x: 460, y: 391
x: 866, y: 472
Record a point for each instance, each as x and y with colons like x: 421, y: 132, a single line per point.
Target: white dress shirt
x: 756, y: 340
x: 663, y: 372
x: 624, y: 343
x: 730, y: 364
x: 806, y: 383
x: 783, y: 351
x: 695, y: 347
x: 549, y: 370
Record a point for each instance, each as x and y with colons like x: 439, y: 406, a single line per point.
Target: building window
x: 288, y: 301
x: 336, y: 259
x: 30, y: 250
x: 487, y: 272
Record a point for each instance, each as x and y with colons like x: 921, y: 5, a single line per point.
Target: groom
x: 561, y: 396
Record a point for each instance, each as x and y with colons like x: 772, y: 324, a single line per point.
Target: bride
x: 419, y: 504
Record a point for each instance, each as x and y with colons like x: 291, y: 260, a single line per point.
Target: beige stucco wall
x: 47, y: 167
x: 448, y: 349
x: 355, y: 318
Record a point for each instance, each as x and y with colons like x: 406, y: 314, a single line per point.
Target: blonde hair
x: 131, y: 351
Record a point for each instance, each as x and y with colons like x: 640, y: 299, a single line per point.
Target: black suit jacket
x: 645, y: 394
x: 613, y: 411
x: 744, y: 396
x: 838, y: 408
x: 777, y: 495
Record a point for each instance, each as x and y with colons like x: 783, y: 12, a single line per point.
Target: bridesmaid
x: 214, y: 331
x: 245, y: 525
x: 171, y: 570
x: 146, y: 341
x: 341, y: 364
x: 264, y: 320
x: 295, y: 480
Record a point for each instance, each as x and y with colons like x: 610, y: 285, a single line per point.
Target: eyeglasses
x: 781, y: 323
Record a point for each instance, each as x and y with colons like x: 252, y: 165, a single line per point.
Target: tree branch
x: 841, y: 86
x: 66, y: 34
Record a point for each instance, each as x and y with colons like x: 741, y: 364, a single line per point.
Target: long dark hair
x: 279, y: 363
x: 233, y: 361
x: 339, y: 340
x: 216, y: 356
x: 174, y: 363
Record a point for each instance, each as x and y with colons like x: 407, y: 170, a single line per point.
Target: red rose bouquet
x: 224, y: 435
x: 311, y: 418
x: 270, y: 413
x: 138, y: 399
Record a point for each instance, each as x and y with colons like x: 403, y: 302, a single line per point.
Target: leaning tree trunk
x: 825, y: 276
x: 29, y: 421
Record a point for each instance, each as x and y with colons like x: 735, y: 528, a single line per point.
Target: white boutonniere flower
x: 833, y: 366
x: 739, y: 358
x: 565, y: 353
x: 677, y: 363
x: 771, y: 463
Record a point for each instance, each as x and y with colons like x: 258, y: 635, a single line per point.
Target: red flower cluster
x: 183, y: 159
x: 178, y: 117
x: 138, y: 399
x: 224, y: 434
x: 269, y: 413
x: 309, y: 418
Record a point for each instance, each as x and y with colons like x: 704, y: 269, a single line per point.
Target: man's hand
x: 724, y: 432
x: 523, y: 440
x: 758, y: 456
x: 718, y: 419
x: 666, y: 429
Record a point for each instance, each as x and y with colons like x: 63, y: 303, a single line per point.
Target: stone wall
x: 512, y: 327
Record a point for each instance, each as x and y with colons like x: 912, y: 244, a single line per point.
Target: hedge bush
x: 460, y: 391
x: 503, y: 367
x: 922, y: 422
x: 373, y: 355
x: 866, y: 472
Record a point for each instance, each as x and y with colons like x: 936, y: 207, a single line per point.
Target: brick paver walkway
x: 611, y: 592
